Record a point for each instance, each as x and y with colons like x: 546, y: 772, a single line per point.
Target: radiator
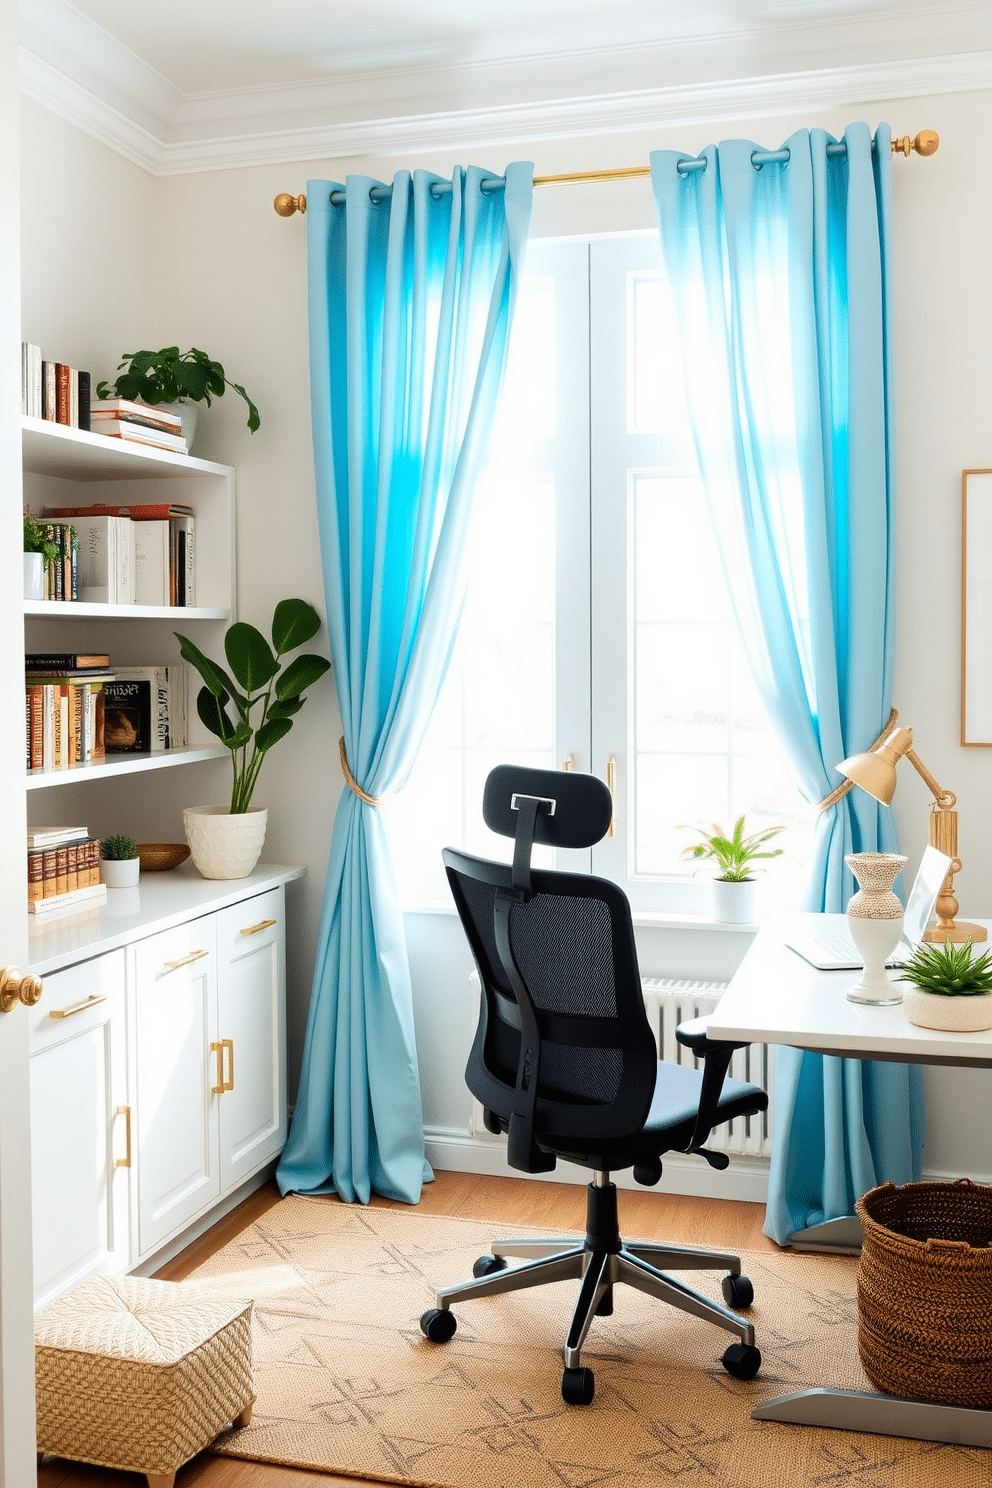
x: 669, y: 1001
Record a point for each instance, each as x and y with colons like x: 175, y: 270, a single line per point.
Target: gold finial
x: 927, y: 142
x: 286, y: 205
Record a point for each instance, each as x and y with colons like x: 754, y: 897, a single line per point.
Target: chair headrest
x: 579, y: 817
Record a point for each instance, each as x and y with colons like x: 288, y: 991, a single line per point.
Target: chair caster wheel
x: 487, y: 1264
x: 438, y: 1324
x: 742, y: 1360
x: 578, y: 1386
x: 738, y: 1292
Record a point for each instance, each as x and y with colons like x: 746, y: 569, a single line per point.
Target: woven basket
x: 925, y: 1291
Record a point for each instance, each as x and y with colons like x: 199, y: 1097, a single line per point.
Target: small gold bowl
x: 155, y: 857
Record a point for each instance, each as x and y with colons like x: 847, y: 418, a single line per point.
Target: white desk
x: 778, y: 998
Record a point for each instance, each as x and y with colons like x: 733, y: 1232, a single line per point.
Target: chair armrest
x: 716, y: 1055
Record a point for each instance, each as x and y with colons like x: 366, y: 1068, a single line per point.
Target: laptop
x: 830, y: 947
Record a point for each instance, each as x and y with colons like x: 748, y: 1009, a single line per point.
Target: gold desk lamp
x: 875, y: 772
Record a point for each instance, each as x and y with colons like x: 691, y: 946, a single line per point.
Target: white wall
x: 224, y: 273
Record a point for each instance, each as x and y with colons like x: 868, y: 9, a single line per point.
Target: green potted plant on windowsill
x: 179, y: 380
x: 950, y: 987
x: 735, y: 853
x: 249, y: 715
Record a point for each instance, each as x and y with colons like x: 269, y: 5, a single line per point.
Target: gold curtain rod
x: 927, y: 142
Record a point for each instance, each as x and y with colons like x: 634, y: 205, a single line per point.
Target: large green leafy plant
x: 949, y: 970
x: 168, y: 375
x: 256, y: 709
x: 735, y: 852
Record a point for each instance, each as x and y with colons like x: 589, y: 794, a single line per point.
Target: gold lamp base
x: 957, y: 932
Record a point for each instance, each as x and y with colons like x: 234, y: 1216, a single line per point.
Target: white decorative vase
x: 874, y: 917
x: 120, y: 873
x: 733, y: 902
x: 34, y: 575
x: 222, y: 845
x: 969, y: 1014
x: 188, y: 412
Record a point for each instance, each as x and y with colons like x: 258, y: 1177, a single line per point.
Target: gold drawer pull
x: 611, y: 782
x: 78, y: 1007
x: 228, y: 1044
x: 125, y: 1161
x: 254, y: 929
x: 185, y: 961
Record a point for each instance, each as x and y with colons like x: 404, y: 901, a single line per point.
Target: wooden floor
x: 722, y: 1224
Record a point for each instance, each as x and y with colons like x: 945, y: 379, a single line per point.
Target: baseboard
x: 746, y: 1179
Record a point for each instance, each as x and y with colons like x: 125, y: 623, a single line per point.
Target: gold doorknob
x: 15, y: 988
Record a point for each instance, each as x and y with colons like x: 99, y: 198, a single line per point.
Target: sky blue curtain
x: 411, y: 299
x: 781, y: 277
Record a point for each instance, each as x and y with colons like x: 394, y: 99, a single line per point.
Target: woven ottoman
x: 139, y: 1374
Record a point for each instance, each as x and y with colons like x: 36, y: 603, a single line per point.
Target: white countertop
x: 160, y: 901
x: 776, y: 997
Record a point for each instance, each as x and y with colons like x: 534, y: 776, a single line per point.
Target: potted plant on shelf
x: 249, y: 715
x: 950, y: 988
x: 736, y: 854
x: 175, y: 379
x: 119, y: 863
x: 39, y: 551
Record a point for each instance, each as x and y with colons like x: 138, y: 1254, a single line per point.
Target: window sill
x: 643, y: 919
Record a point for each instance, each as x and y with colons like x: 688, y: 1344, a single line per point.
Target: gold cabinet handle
x: 78, y: 1007
x: 254, y: 929
x: 185, y: 960
x: 218, y: 1049
x: 125, y: 1161
x: 611, y: 781
x: 15, y: 988
x: 568, y: 763
x: 228, y: 1044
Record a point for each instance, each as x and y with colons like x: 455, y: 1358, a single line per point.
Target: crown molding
x: 246, y: 128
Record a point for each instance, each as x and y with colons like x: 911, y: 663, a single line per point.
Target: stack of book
x: 53, y: 390
x: 121, y: 418
x: 62, y: 573
x: 139, y: 554
x: 63, y: 869
x: 147, y: 709
x: 64, y: 708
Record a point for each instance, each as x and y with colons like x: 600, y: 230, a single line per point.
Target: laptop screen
x: 923, y: 895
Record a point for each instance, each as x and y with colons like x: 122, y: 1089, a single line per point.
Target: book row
x: 144, y: 555
x: 63, y: 873
x: 73, y: 720
x: 61, y: 394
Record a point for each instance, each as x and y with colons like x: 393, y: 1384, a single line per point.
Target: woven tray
x: 925, y: 1291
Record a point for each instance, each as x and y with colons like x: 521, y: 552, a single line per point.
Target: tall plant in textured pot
x: 249, y: 715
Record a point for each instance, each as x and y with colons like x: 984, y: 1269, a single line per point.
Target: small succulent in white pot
x: 119, y: 863
x: 950, y: 987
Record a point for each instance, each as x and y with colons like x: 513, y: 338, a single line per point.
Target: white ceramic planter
x: 222, y: 845
x: 188, y: 412
x: 950, y: 1014
x: 34, y: 575
x: 733, y: 903
x: 120, y: 873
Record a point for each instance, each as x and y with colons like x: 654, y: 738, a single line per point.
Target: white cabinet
x: 81, y: 1132
x: 173, y: 1006
x: 158, y: 1068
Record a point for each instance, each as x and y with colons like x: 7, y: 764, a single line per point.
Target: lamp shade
x: 875, y: 771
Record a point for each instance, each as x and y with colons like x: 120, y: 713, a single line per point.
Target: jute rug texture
x: 347, y: 1383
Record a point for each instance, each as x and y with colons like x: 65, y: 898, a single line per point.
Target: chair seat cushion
x: 139, y: 1374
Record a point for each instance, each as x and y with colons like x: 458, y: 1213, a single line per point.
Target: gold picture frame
x: 976, y: 609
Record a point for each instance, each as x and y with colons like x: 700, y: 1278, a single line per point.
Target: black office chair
x: 565, y: 1063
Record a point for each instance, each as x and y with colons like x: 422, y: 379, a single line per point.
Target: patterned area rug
x: 347, y: 1383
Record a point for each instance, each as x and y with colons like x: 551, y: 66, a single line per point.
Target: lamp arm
x: 944, y: 799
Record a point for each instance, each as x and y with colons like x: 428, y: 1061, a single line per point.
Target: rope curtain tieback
x: 352, y: 782
x: 842, y: 790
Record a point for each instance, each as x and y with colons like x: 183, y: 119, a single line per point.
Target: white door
x: 251, y: 954
x: 176, y: 1086
x: 16, y: 1342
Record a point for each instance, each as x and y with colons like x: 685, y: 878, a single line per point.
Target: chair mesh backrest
x: 573, y: 946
